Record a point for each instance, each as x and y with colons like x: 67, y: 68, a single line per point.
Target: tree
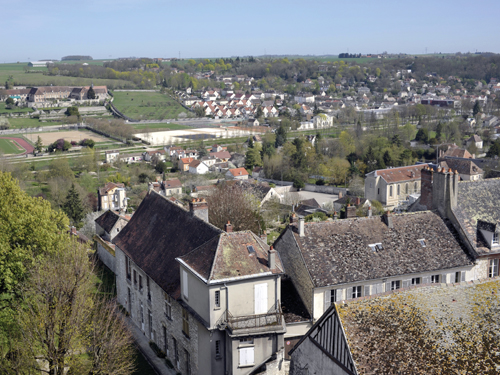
x: 59, y: 167
x: 476, y: 109
x: 494, y: 149
x: 161, y: 167
x: 250, y: 142
x: 72, y: 111
x: 280, y: 136
x: 387, y: 158
x: 232, y: 203
x: 422, y: 135
x: 9, y: 101
x: 39, y: 144
x: 31, y: 229
x: 298, y: 183
x: 91, y: 93
x: 252, y: 157
x: 73, y: 206
x: 61, y: 315
x: 199, y: 111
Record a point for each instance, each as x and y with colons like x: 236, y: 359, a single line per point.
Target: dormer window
x: 379, y: 246
x: 373, y: 247
x: 422, y: 242
x: 495, y: 239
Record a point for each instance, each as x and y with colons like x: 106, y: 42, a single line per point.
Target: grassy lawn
x: 160, y: 126
x: 7, y: 146
x: 14, y: 110
x: 19, y: 123
x: 148, y: 105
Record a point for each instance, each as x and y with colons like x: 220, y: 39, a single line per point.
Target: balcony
x: 272, y: 321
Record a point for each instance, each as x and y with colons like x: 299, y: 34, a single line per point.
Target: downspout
x: 225, y: 335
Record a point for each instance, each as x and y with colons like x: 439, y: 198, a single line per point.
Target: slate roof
x: 173, y: 183
x: 463, y: 166
x: 227, y: 257
x: 350, y: 199
x: 478, y: 200
x: 337, y: 252
x: 311, y: 203
x: 392, y: 175
x: 415, y: 328
x: 107, y: 220
x: 159, y: 232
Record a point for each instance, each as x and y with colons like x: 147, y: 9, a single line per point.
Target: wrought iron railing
x: 273, y: 318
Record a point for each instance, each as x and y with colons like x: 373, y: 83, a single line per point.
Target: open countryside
x: 148, y: 105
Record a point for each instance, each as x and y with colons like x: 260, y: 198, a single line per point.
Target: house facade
x: 177, y: 277
x: 393, y: 185
x: 112, y: 196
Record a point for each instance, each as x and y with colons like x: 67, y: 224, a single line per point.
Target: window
x: 333, y: 296
x: 185, y: 322
x: 395, y: 284
x: 168, y: 306
x: 176, y: 352
x: 217, y: 299
x: 493, y: 269
x: 147, y: 287
x: 356, y: 292
x: 247, y: 356
x: 422, y: 242
x: 185, y: 284
x: 459, y: 276
x: 188, y: 362
x: 128, y: 267
x: 150, y: 324
x: 140, y: 283
x: 390, y: 191
x: 135, y: 278
x: 415, y: 185
x: 165, y: 340
x: 406, y: 188
x: 495, y: 239
x: 416, y: 281
x: 434, y: 279
x: 399, y: 189
x: 217, y: 349
x: 378, y: 191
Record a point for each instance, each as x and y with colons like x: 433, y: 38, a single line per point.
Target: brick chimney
x: 358, y: 201
x: 426, y: 187
x: 350, y: 211
x: 199, y: 208
x: 293, y: 218
x: 272, y: 259
x: 228, y: 227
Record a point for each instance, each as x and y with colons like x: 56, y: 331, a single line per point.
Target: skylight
x: 373, y: 247
x: 250, y: 249
x: 422, y: 242
x: 379, y: 246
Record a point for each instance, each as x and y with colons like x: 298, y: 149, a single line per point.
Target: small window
x: 135, y: 278
x: 217, y: 298
x: 185, y: 322
x: 495, y: 239
x: 176, y: 352
x: 217, y: 349
x: 422, y: 242
x: 395, y: 284
x: 379, y: 246
x: 250, y: 249
x: 148, y: 289
x: 416, y: 281
x: 356, y: 292
x: 399, y: 189
x: 493, y: 269
x: 140, y: 283
x: 390, y: 191
x: 168, y: 306
x: 128, y: 267
x: 333, y: 296
x: 459, y: 276
x: 406, y: 189
x: 188, y: 362
x: 373, y: 247
x: 434, y: 279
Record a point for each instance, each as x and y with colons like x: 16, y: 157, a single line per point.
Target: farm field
x: 70, y: 135
x: 147, y: 105
x: 8, y: 147
x: 21, y: 78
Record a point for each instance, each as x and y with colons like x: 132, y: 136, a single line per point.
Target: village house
x: 167, y: 188
x: 183, y: 164
x: 393, y: 185
x: 340, y: 260
x: 112, y: 196
x: 111, y: 156
x: 107, y: 226
x: 198, y: 167
x: 467, y: 169
x: 477, y: 140
x: 237, y: 174
x: 176, y: 276
x: 47, y: 93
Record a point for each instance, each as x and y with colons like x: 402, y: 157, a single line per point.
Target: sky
x: 50, y: 29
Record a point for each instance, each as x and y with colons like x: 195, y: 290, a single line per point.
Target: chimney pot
x: 228, y: 227
x: 301, y: 227
x: 388, y: 220
x: 369, y: 211
x: 272, y: 259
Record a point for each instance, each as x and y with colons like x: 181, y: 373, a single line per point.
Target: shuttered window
x: 459, y: 276
x: 246, y: 356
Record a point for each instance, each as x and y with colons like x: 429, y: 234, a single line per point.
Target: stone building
x: 210, y: 299
x: 108, y: 225
x: 112, y: 196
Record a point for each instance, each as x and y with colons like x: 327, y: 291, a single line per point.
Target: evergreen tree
x: 250, y: 142
x: 91, y: 93
x: 476, y: 109
x: 387, y: 158
x: 39, y: 144
x: 280, y: 136
x: 73, y: 206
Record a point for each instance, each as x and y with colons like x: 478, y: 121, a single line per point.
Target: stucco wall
x: 309, y: 359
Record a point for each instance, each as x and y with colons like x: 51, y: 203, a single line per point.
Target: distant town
x: 251, y: 215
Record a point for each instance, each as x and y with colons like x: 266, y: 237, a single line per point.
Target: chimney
x: 301, y: 227
x: 73, y: 230
x: 293, y: 219
x: 228, y: 227
x: 388, y: 220
x: 358, y: 201
x: 350, y: 211
x: 369, y: 211
x: 199, y: 208
x: 272, y: 259
x: 340, y: 194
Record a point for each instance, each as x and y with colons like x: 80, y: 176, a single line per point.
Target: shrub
x: 320, y: 182
x: 87, y: 143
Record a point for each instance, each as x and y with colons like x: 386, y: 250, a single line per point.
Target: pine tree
x: 476, y: 109
x: 91, y: 93
x: 39, y: 144
x: 73, y: 206
x: 250, y: 142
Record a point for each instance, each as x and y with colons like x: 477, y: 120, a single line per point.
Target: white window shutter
x: 340, y: 295
x: 387, y: 286
x: 349, y: 293
x: 379, y: 288
x: 327, y: 299
x: 426, y: 280
x: 406, y: 283
x: 444, y: 278
x: 366, y: 292
x: 462, y: 275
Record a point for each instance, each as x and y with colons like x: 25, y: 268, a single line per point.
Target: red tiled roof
x: 238, y: 172
x: 391, y: 175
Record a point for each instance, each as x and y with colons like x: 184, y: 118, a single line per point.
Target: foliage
x: 298, y: 183
x: 494, y: 149
x: 59, y: 145
x: 9, y: 101
x: 118, y: 177
x: 59, y: 167
x: 91, y: 93
x: 317, y: 216
x: 30, y: 231
x: 73, y: 111
x: 87, y: 143
x: 280, y: 136
x: 476, y: 109
x: 39, y: 144
x: 161, y: 167
x: 73, y: 207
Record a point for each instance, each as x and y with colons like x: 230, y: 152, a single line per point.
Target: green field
x: 7, y: 146
x: 160, y: 126
x: 14, y: 110
x: 20, y: 123
x: 147, y: 105
x: 21, y: 78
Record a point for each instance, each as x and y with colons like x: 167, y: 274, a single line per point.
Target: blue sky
x: 51, y: 29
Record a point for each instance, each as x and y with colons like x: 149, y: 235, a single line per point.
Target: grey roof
x: 462, y: 166
x: 478, y: 200
x: 337, y: 252
x: 107, y: 220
